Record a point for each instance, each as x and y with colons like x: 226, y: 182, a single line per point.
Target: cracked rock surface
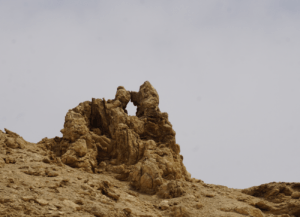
x: 108, y: 163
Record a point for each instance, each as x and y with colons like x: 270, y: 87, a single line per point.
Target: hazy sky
x: 227, y: 72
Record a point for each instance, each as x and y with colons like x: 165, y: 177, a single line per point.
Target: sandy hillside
x: 111, y: 164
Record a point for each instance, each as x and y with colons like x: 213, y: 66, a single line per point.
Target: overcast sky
x: 227, y: 72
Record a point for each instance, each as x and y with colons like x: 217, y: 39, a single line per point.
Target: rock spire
x: 99, y: 135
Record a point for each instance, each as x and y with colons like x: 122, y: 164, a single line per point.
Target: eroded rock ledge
x: 99, y: 135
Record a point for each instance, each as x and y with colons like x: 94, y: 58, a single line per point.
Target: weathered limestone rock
x: 42, y: 202
x: 296, y: 195
x: 163, y: 205
x: 146, y: 100
x: 71, y: 204
x: 171, y: 189
x: 123, y: 96
x: 107, y: 146
x: 101, y: 131
x: 146, y: 177
x: 180, y: 211
x: 74, y: 127
x: 11, y: 140
x: 272, y: 194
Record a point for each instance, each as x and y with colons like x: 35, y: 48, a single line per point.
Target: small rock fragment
x: 24, y: 167
x: 21, y: 142
x: 2, y: 151
x: 79, y: 202
x: 199, y: 205
x: 180, y: 211
x: 10, y: 160
x: 11, y: 143
x: 106, y: 189
x: 209, y: 194
x: 46, y: 160
x: 6, y: 200
x: 102, y: 165
x: 164, y: 205
x: 171, y: 189
x: 42, y: 202
x: 51, y: 173
x: 249, y: 211
x: 296, y: 195
x: 27, y: 198
x: 133, y: 193
x: 127, y: 211
x: 263, y: 205
x: 95, y: 210
x: 64, y: 182
x: 71, y: 204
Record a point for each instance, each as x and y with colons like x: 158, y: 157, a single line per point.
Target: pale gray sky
x: 227, y: 72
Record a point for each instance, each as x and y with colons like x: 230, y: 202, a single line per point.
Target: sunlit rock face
x: 99, y: 135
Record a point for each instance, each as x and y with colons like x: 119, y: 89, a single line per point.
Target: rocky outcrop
x: 277, y: 198
x: 108, y: 163
x: 12, y: 140
x: 99, y: 135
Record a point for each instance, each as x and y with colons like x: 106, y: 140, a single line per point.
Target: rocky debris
x: 11, y: 140
x: 42, y: 202
x: 164, y: 205
x: 71, y: 204
x: 28, y: 198
x: 295, y: 195
x: 243, y: 210
x: 171, y: 189
x: 199, y: 205
x: 180, y: 211
x: 106, y: 189
x: 277, y: 198
x: 51, y: 172
x: 108, y: 163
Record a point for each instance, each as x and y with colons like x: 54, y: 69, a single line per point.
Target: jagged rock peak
x: 99, y: 136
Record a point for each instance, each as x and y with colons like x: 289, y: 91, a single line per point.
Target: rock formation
x: 99, y: 135
x: 108, y: 163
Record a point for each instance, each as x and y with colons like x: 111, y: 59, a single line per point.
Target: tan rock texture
x: 108, y: 163
x: 99, y: 135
